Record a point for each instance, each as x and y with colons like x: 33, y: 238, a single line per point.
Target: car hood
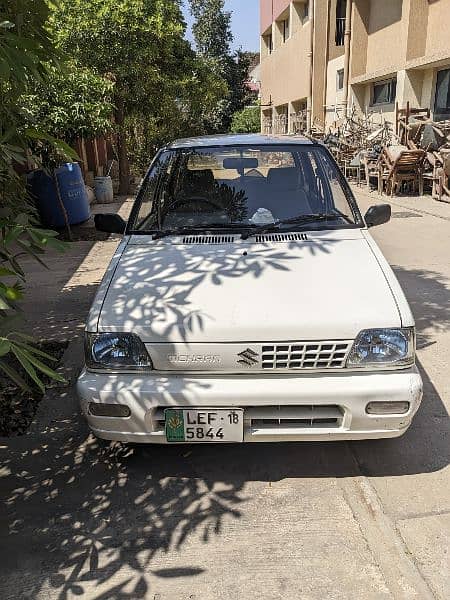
x: 329, y: 286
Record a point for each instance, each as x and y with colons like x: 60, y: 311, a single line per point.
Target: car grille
x: 307, y: 355
x: 282, y: 237
x: 293, y: 417
x: 208, y: 239
x: 276, y: 419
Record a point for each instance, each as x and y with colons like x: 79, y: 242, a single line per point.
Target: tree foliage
x: 19, y: 236
x: 213, y: 37
x: 247, y: 120
x: 181, y: 116
x: 74, y: 102
x: 140, y: 46
x: 136, y: 43
x: 26, y: 54
x: 212, y: 29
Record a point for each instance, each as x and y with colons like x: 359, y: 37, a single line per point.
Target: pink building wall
x: 270, y: 10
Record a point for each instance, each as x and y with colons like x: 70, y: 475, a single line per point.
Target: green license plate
x: 207, y: 425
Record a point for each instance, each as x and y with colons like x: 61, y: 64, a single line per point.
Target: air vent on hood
x: 282, y: 237
x: 208, y: 239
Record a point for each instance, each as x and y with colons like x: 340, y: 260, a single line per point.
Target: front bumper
x: 321, y: 406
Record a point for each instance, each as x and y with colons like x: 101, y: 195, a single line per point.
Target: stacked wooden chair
x: 398, y: 165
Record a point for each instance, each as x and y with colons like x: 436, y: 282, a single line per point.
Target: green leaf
x: 44, y: 368
x: 57, y: 245
x: 5, y: 346
x: 14, y: 376
x: 44, y: 233
x: 23, y: 358
x: 36, y: 351
x: 66, y: 149
x: 6, y: 272
x: 35, y: 134
x: 14, y: 293
x: 4, y: 305
x: 15, y: 265
x: 12, y: 235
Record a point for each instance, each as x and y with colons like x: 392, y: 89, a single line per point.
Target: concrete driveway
x: 310, y: 521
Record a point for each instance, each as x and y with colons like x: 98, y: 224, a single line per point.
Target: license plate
x: 205, y: 425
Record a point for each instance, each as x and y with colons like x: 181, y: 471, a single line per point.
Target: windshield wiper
x: 196, y: 229
x: 299, y: 220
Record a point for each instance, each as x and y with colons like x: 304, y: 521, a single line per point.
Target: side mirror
x: 109, y: 223
x: 378, y: 214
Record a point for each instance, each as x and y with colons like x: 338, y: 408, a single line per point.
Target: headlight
x: 383, y: 348
x: 116, y: 351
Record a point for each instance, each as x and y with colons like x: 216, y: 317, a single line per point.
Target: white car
x: 248, y: 302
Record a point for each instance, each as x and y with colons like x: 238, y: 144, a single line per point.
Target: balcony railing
x: 298, y: 121
x: 340, y: 31
x: 281, y: 124
x: 267, y: 125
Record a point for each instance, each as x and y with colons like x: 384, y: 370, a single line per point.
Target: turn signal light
x: 109, y: 410
x: 387, y: 408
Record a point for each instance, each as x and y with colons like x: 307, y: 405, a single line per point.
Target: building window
x: 384, y: 92
x: 442, y: 99
x: 305, y: 15
x: 268, y: 43
x: 340, y: 80
x: 284, y: 27
x: 340, y: 22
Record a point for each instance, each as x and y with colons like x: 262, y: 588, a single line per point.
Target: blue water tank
x: 73, y: 195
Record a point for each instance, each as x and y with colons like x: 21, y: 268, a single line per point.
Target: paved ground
x: 308, y: 521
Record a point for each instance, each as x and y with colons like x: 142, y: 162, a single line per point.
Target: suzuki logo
x: 248, y: 357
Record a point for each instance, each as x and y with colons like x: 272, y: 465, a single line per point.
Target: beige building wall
x: 438, y: 29
x: 386, y: 44
x: 285, y: 71
x: 403, y: 40
x: 334, y: 96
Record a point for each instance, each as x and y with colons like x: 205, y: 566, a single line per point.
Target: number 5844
x: 198, y: 433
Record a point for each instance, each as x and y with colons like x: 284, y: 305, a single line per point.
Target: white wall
x: 333, y: 97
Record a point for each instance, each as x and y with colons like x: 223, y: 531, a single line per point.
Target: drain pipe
x: 325, y: 70
x: 309, y: 106
x: 347, y: 37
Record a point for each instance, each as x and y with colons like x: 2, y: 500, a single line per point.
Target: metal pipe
x: 309, y: 106
x: 347, y: 37
x: 327, y: 56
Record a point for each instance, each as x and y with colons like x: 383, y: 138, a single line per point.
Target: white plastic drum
x: 103, y: 190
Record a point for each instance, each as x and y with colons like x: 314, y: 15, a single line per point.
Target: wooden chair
x: 394, y: 170
x: 370, y: 168
x: 354, y: 167
x: 432, y: 173
x: 402, y: 117
x: 442, y: 176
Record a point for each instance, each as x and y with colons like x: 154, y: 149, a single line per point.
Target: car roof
x: 250, y: 139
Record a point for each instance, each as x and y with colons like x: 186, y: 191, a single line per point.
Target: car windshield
x: 243, y: 188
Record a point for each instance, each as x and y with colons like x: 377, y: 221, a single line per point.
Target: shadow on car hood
x: 328, y: 287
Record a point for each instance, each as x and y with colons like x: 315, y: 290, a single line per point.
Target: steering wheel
x: 202, y: 199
